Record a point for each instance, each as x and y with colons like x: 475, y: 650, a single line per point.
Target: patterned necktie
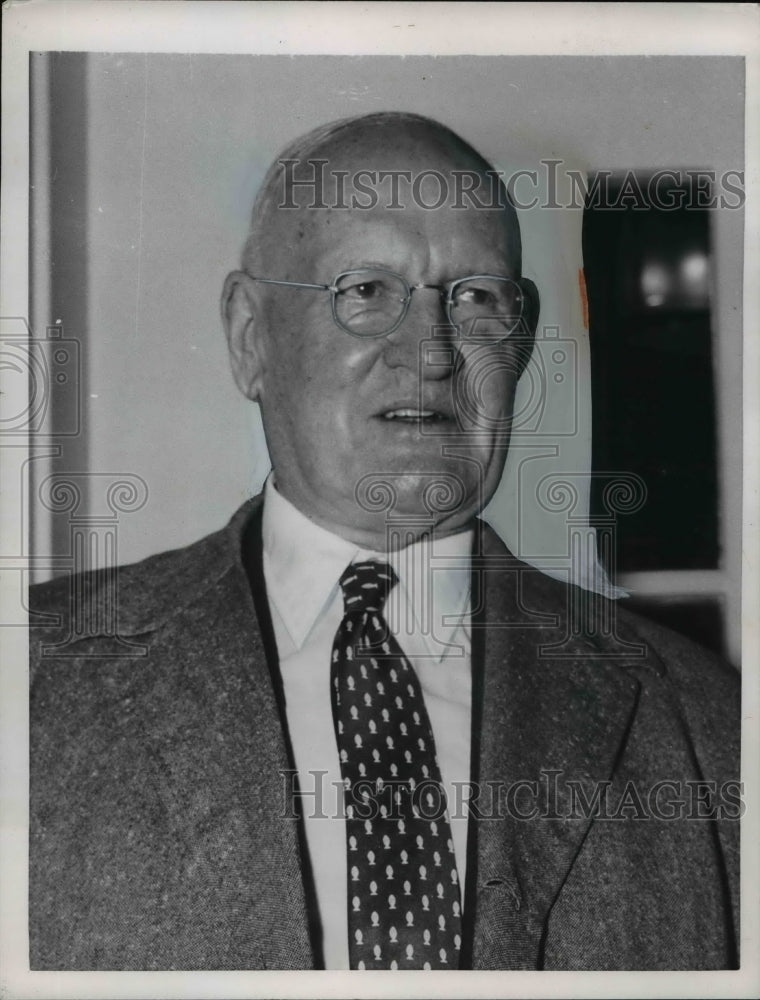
x: 404, y: 906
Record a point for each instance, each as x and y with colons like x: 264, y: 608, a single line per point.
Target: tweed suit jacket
x: 159, y: 836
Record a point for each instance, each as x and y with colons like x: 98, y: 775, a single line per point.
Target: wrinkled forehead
x: 409, y: 177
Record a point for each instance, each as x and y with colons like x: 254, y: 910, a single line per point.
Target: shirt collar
x: 302, y: 586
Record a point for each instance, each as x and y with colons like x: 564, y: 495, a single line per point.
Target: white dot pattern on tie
x: 404, y: 905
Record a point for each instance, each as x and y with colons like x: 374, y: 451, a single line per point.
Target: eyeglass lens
x: 371, y: 302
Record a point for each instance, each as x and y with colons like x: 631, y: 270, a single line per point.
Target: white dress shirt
x: 428, y: 612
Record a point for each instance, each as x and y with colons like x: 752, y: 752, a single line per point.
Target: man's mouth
x: 411, y: 415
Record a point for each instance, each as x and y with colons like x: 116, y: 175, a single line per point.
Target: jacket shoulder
x: 132, y: 599
x: 702, y: 689
x: 706, y: 688
x: 698, y: 673
x: 686, y: 661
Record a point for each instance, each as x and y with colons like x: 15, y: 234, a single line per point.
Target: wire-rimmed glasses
x: 373, y: 302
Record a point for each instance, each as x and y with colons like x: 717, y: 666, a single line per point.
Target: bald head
x: 379, y: 163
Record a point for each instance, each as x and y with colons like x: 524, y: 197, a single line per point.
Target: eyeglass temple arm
x: 293, y: 284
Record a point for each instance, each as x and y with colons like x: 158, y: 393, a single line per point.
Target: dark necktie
x: 404, y: 905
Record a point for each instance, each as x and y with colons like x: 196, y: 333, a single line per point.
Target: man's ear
x: 243, y: 325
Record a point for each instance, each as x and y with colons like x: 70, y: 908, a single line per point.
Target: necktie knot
x: 365, y: 586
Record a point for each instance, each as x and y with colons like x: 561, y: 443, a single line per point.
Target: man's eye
x: 366, y: 290
x: 474, y: 297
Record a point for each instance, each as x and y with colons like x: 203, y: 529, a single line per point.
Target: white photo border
x: 356, y: 29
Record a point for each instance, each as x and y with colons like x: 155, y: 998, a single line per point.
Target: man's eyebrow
x: 376, y: 265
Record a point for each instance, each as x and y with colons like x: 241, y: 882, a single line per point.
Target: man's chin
x: 418, y: 500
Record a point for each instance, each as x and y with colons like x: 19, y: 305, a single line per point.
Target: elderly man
x: 351, y: 729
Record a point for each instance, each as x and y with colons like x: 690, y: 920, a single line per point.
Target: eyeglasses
x: 373, y: 302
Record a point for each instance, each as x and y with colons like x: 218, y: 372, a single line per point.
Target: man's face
x: 409, y: 427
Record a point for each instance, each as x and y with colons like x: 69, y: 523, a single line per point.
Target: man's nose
x: 425, y: 342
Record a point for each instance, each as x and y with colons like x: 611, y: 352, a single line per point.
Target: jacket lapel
x: 541, y: 722
x: 222, y: 760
